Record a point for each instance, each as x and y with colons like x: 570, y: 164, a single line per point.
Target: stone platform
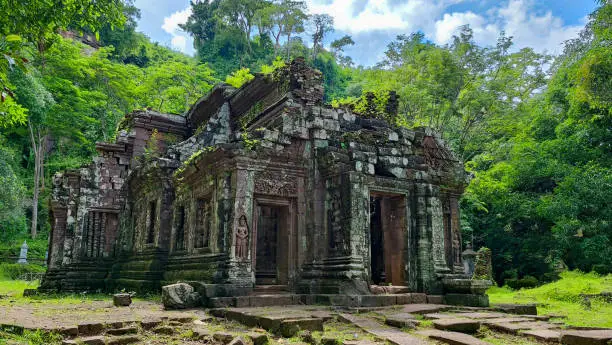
x: 410, y: 324
x: 354, y: 301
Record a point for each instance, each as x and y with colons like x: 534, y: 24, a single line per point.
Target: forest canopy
x: 534, y: 130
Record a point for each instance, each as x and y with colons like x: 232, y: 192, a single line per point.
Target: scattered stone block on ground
x: 179, y: 296
x: 122, y: 331
x: 166, y: 330
x: 95, y: 340
x: 547, y: 335
x: 424, y: 308
x: 258, y: 338
x: 437, y: 316
x: 123, y: 340
x: 401, y: 322
x: 515, y: 327
x: 91, y: 328
x: 481, y: 315
x: 524, y: 309
x: 393, y: 336
x: 453, y: 338
x: 148, y: 324
x: 223, y: 337
x: 122, y: 299
x: 507, y: 320
x: 237, y: 341
x: 330, y: 341
x: 592, y: 337
x: 457, y: 325
x: 289, y: 328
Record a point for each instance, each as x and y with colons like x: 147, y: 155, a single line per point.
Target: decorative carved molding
x: 275, y: 183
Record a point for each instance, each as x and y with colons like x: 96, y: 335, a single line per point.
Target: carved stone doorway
x: 273, y: 241
x: 387, y: 238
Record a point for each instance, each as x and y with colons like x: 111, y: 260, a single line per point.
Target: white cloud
x: 354, y: 16
x: 171, y: 26
x: 542, y: 32
x: 450, y: 23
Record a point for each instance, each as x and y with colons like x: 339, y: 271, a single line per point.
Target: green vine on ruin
x: 191, y: 160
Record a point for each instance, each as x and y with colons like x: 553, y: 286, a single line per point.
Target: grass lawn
x: 563, y: 298
x: 14, y: 288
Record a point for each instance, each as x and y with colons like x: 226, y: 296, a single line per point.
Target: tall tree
x: 323, y: 24
x: 242, y: 14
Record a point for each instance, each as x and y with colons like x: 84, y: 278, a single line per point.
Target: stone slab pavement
x: 453, y: 338
x: 393, y: 336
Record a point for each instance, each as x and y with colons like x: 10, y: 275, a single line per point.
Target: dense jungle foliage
x: 534, y: 131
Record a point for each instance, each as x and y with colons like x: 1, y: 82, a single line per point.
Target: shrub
x: 526, y: 282
x: 601, y: 269
x: 14, y: 271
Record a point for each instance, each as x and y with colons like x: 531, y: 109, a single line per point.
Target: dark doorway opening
x: 387, y: 238
x: 269, y: 223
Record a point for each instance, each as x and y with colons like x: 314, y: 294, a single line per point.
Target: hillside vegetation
x: 565, y: 297
x: 532, y: 129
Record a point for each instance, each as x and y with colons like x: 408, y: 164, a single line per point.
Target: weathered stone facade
x: 262, y: 185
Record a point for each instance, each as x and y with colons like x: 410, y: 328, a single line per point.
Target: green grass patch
x: 30, y: 338
x: 563, y: 298
x: 15, y: 271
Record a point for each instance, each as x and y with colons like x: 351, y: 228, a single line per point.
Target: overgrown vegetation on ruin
x: 532, y: 129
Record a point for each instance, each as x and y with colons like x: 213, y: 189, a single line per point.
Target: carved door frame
x: 394, y: 215
x: 289, y: 230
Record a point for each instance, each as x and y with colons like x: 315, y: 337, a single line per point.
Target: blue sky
x: 541, y: 24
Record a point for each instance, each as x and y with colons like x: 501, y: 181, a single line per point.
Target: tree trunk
x: 288, y: 46
x: 37, y: 170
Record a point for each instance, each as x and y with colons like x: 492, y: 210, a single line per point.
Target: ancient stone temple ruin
x: 266, y: 187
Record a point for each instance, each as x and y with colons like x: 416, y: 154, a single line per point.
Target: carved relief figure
x: 203, y: 223
x: 242, y: 239
x: 456, y: 247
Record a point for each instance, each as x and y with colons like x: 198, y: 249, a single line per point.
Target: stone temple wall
x: 355, y: 199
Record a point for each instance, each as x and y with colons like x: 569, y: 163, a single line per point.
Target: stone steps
x: 391, y: 335
x: 102, y: 340
x: 261, y: 298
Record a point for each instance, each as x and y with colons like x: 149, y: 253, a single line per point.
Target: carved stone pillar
x: 58, y: 233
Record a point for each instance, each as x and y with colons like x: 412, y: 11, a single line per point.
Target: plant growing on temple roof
x: 249, y: 143
x: 152, y: 148
x: 276, y: 64
x: 239, y: 77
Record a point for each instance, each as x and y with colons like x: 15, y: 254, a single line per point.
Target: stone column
x: 430, y: 237
x: 456, y: 234
x: 240, y: 269
x: 56, y: 238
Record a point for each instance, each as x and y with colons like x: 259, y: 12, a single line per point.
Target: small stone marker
x: 23, y: 254
x: 122, y: 299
